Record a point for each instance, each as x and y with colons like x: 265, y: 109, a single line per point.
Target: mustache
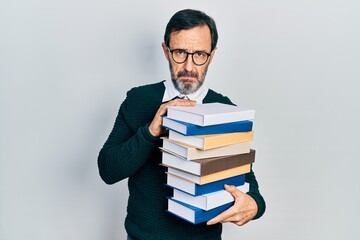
x: 187, y: 74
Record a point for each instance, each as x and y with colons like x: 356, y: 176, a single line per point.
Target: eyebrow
x: 185, y: 50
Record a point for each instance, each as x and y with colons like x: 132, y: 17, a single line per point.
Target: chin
x: 187, y: 86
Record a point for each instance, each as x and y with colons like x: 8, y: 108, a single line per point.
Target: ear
x: 165, y: 49
x: 212, y: 55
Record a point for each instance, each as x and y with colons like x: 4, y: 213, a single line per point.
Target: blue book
x: 189, y: 129
x: 196, y: 189
x: 193, y: 214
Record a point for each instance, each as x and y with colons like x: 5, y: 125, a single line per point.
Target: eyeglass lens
x: 199, y: 58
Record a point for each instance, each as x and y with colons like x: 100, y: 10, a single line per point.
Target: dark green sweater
x: 132, y: 152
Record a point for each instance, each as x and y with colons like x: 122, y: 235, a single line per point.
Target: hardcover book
x: 208, y: 201
x: 196, y: 189
x: 189, y: 152
x: 211, y: 177
x: 189, y: 129
x: 193, y: 214
x: 210, y: 114
x: 207, y: 166
x: 206, y: 142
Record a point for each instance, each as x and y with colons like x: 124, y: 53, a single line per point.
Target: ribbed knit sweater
x: 132, y: 152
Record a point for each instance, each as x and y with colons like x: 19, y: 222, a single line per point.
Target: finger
x: 234, y: 191
x: 242, y: 222
x: 181, y: 102
x: 177, y: 102
x: 155, y: 127
x: 235, y: 217
x: 222, y: 216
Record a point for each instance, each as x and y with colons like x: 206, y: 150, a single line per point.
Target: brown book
x: 210, y: 177
x: 206, y: 166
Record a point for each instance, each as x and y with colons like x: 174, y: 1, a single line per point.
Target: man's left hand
x: 243, y: 210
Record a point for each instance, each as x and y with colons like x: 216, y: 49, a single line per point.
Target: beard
x: 187, y: 85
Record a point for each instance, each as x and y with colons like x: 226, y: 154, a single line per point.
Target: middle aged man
x: 132, y: 148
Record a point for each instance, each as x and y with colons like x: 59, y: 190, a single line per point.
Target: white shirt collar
x: 171, y: 92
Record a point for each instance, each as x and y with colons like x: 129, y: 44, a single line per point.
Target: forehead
x: 197, y: 38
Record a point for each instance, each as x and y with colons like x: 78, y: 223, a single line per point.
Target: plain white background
x: 65, y: 67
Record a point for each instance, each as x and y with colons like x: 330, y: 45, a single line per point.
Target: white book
x: 210, y: 114
x: 179, y: 162
x: 210, y: 200
x: 190, y: 152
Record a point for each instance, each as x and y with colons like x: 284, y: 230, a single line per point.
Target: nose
x: 189, y: 64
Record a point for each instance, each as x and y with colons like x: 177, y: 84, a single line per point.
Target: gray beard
x: 184, y: 88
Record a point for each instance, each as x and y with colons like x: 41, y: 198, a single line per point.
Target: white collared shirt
x: 171, y: 92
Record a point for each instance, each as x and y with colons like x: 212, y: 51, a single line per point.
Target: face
x: 188, y: 77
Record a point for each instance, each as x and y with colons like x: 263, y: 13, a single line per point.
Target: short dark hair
x: 188, y: 19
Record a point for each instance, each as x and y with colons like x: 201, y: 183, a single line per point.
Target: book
x: 189, y: 152
x: 193, y: 214
x: 211, y: 177
x: 207, y: 166
x: 210, y: 113
x: 189, y: 129
x: 206, y: 142
x: 210, y: 200
x: 196, y: 189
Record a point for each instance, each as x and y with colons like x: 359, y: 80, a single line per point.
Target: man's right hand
x: 155, y: 127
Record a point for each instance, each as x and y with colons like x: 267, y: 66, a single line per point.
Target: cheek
x: 201, y: 71
x: 176, y: 69
x: 204, y: 70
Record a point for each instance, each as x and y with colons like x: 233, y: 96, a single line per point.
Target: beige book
x: 211, y: 177
x: 190, y: 152
x: 211, y: 141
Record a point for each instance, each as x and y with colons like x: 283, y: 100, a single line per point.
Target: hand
x: 155, y: 126
x: 243, y: 210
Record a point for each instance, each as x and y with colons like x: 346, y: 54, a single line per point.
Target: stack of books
x: 208, y: 146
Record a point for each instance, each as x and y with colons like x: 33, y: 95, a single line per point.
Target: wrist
x: 152, y: 131
x: 148, y: 134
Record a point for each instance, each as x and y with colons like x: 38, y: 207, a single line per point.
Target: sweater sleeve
x: 127, y: 147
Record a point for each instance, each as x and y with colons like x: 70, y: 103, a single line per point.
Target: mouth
x: 191, y: 76
x: 188, y: 78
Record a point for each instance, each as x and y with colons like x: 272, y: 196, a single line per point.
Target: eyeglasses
x: 180, y: 56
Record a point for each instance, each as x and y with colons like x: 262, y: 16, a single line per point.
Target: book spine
x: 195, y: 119
x: 208, y: 201
x: 226, y: 163
x: 189, y: 129
x: 199, y: 215
x: 198, y: 190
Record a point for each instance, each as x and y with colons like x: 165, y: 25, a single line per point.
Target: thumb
x: 233, y: 190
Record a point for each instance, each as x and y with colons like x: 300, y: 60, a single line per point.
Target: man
x: 132, y: 149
